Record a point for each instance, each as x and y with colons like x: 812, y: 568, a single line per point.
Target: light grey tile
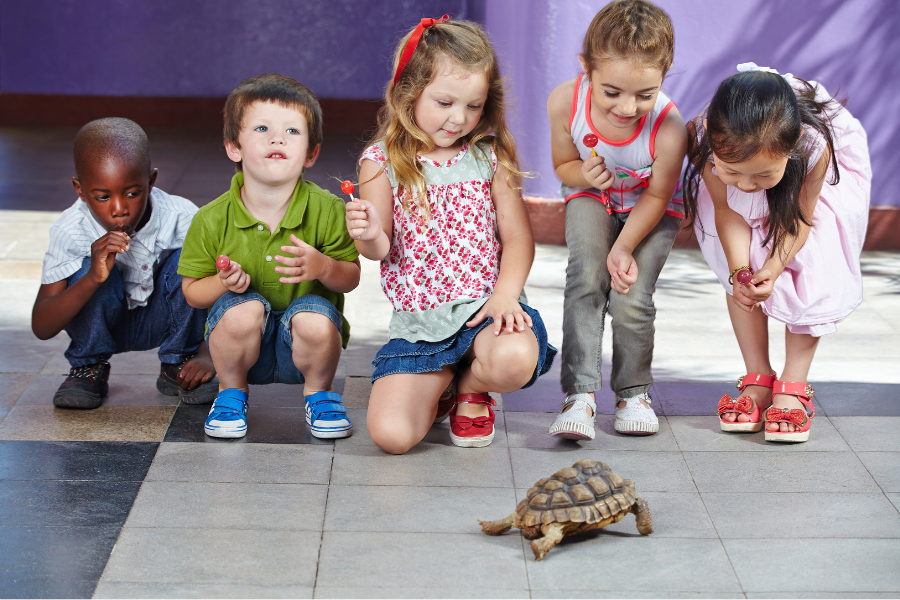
x: 813, y: 595
x: 414, y: 509
x: 804, y: 515
x: 815, y: 565
x: 438, y: 435
x: 424, y: 465
x: 703, y: 434
x: 459, y: 590
x: 241, y: 463
x: 895, y: 500
x: 438, y: 560
x: 884, y: 467
x: 24, y: 358
x: 144, y: 362
x: 531, y: 430
x: 631, y: 594
x: 604, y: 562
x: 651, y: 471
x: 288, y: 507
x: 124, y: 390
x: 779, y: 472
x: 869, y: 434
x: 112, y: 589
x: 214, y: 556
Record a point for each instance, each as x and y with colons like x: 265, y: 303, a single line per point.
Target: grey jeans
x: 590, y: 235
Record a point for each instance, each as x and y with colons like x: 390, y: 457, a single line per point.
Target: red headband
x: 413, y: 42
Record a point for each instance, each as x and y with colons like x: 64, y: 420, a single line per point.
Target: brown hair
x: 635, y: 30
x: 280, y: 89
x: 465, y: 44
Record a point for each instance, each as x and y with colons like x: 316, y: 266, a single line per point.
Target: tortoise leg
x: 641, y: 511
x: 498, y: 527
x: 553, y: 533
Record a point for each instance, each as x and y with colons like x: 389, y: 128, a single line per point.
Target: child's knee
x: 388, y: 436
x: 241, y: 320
x: 314, y: 329
x: 511, y: 365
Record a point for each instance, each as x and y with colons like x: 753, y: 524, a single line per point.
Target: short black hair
x: 115, y: 137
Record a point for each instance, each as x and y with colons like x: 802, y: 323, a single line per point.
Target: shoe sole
x: 226, y: 433
x: 205, y: 393
x: 572, y: 431
x: 797, y: 436
x: 741, y: 427
x: 330, y: 434
x: 636, y: 427
x: 471, y: 442
x: 75, y: 399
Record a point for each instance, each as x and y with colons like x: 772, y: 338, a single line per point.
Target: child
x: 621, y: 217
x: 275, y: 318
x: 441, y: 203
x: 778, y: 183
x: 109, y: 276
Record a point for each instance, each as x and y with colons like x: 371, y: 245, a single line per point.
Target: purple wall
x: 851, y: 46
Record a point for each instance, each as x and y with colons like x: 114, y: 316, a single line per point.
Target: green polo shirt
x: 224, y: 226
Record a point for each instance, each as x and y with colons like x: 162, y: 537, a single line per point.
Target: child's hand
x: 235, y: 279
x: 760, y: 287
x: 506, y: 312
x: 363, y: 221
x: 104, y: 251
x: 622, y: 268
x: 596, y: 174
x: 307, y: 263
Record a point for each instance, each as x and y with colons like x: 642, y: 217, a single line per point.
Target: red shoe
x: 744, y: 404
x: 472, y: 433
x: 795, y: 416
x: 446, y: 403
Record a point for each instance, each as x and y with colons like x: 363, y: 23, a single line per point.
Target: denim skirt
x: 401, y: 356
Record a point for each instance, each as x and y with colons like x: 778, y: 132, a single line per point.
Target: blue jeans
x: 275, y: 363
x: 105, y: 326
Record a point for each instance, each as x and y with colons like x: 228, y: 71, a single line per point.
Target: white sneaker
x: 634, y: 418
x: 577, y: 423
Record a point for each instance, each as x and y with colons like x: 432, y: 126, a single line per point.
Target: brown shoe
x: 85, y: 387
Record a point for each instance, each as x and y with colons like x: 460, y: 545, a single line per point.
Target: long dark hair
x: 757, y: 112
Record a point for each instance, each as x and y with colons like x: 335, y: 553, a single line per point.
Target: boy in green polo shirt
x: 275, y: 311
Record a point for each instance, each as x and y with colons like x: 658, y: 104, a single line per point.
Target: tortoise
x: 588, y: 495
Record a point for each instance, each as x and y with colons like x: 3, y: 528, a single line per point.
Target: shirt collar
x: 291, y: 219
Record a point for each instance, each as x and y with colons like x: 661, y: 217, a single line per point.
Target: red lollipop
x: 347, y: 187
x: 590, y: 140
x: 744, y: 276
x: 223, y: 262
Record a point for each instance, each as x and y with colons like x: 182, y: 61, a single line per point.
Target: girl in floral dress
x: 441, y: 209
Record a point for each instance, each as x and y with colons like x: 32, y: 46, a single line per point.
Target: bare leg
x: 799, y: 349
x: 553, y: 534
x: 316, y: 350
x: 752, y: 333
x: 501, y: 364
x: 234, y: 343
x: 402, y: 408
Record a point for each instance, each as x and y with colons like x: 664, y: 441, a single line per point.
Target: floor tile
x: 692, y: 398
x: 604, y: 562
x: 530, y: 430
x: 458, y: 590
x: 895, y: 500
x: 545, y: 395
x: 281, y: 395
x: 651, y: 471
x: 399, y: 560
x: 838, y: 595
x: 47, y: 588
x: 124, y: 390
x: 884, y: 468
x: 22, y: 358
x: 840, y: 565
x: 785, y: 471
x: 414, y: 509
x: 632, y: 594
x: 859, y: 399
x: 107, y: 423
x: 214, y: 556
x: 65, y: 503
x: 869, y: 434
x: 703, y: 434
x: 112, y: 589
x: 12, y: 386
x: 241, y: 463
x: 85, y: 461
x: 804, y: 515
x: 357, y: 391
x: 191, y: 505
x: 264, y: 426
x: 424, y: 465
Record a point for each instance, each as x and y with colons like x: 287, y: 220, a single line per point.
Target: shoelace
x: 90, y: 372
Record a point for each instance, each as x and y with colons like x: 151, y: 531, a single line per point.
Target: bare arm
x: 371, y: 220
x: 571, y: 170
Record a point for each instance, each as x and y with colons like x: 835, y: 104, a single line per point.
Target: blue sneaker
x: 326, y: 415
x: 228, y: 415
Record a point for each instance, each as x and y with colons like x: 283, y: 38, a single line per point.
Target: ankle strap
x: 482, y: 398
x: 755, y: 379
x: 801, y: 389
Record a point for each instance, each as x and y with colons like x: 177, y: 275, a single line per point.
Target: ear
x: 584, y: 65
x: 233, y: 151
x: 312, y: 156
x: 152, y: 180
x: 77, y: 185
x: 704, y: 124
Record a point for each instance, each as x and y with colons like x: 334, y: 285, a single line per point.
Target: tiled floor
x: 132, y: 500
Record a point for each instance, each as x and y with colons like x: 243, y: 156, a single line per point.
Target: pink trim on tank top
x: 659, y: 120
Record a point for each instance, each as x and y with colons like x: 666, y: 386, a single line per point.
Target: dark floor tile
x: 86, y: 461
x: 858, y: 399
x: 66, y: 503
x: 545, y: 395
x: 47, y: 588
x: 265, y: 425
x: 282, y: 395
x: 691, y: 398
x: 55, y: 553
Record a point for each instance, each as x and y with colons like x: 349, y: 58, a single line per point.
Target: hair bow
x: 752, y: 66
x: 413, y: 41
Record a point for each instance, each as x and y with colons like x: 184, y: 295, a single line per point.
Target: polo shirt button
x: 269, y: 258
x: 144, y: 287
x: 260, y: 227
x: 144, y: 267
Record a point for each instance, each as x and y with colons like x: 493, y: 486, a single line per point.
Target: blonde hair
x: 634, y: 30
x: 466, y: 45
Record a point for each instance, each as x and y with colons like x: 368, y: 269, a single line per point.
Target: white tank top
x: 630, y: 161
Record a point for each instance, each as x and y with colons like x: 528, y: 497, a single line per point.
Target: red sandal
x: 794, y: 416
x: 468, y: 432
x: 446, y: 403
x: 744, y: 405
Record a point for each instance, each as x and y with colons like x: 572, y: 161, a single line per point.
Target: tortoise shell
x: 586, y: 492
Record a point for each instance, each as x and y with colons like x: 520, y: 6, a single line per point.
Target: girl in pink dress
x: 778, y: 192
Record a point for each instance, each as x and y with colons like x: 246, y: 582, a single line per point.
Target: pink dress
x: 822, y: 284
